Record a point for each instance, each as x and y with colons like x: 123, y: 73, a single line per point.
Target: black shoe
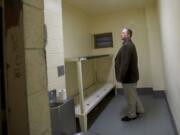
x: 139, y: 114
x: 126, y: 118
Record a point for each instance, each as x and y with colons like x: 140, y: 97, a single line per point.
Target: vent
x: 60, y: 70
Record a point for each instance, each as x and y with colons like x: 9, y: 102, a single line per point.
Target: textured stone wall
x: 36, y: 73
x: 26, y: 75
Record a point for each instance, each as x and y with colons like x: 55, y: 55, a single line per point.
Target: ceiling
x: 96, y: 7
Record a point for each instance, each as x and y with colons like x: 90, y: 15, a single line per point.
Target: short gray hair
x: 130, y: 32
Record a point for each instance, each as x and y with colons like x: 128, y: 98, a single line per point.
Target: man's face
x: 124, y: 34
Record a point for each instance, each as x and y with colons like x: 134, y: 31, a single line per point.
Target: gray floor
x: 156, y: 120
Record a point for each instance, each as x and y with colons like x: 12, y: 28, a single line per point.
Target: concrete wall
x: 54, y: 46
x: 75, y: 18
x: 155, y: 49
x: 77, y: 42
x: 26, y: 76
x: 170, y: 31
x: 80, y: 27
x: 136, y: 20
x: 71, y: 76
x: 76, y: 30
x: 38, y: 103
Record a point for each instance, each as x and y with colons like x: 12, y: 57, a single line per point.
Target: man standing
x: 126, y: 69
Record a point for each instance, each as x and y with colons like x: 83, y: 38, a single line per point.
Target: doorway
x: 3, y: 122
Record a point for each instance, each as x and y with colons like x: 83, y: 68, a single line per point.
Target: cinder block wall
x: 26, y: 76
x: 36, y: 74
x: 54, y: 45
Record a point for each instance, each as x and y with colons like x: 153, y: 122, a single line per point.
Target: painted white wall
x: 77, y: 42
x: 77, y: 39
x: 136, y: 20
x: 170, y: 31
x: 54, y: 47
x: 71, y: 76
x: 154, y: 41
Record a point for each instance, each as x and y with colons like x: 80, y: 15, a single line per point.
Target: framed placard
x: 103, y: 40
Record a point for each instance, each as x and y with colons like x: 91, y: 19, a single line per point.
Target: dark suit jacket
x: 126, y: 63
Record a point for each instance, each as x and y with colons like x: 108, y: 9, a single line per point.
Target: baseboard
x: 155, y: 94
x: 159, y: 94
x: 172, y: 118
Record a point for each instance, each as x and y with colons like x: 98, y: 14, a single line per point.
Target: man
x: 126, y: 69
